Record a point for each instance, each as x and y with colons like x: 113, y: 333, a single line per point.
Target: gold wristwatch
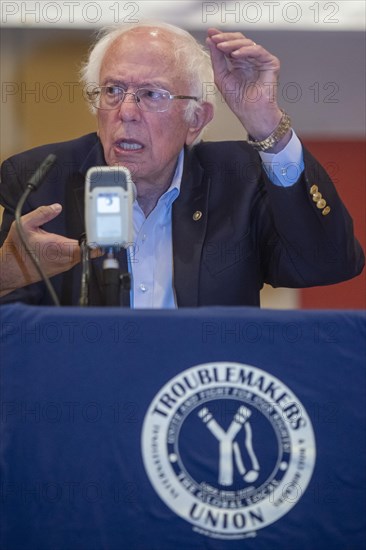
x: 275, y: 136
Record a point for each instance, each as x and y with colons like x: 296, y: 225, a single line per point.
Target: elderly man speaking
x: 212, y: 222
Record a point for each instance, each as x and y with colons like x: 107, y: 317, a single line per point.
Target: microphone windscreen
x: 41, y: 172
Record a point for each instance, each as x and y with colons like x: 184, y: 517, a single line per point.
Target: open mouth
x: 129, y: 145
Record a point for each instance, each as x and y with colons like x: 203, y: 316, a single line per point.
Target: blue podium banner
x: 210, y: 428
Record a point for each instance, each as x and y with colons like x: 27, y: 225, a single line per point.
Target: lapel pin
x: 197, y: 215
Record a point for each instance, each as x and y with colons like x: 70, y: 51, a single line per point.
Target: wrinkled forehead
x: 147, y: 42
x: 154, y: 33
x: 147, y: 50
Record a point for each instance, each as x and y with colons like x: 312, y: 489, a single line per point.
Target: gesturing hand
x: 55, y: 252
x: 246, y: 75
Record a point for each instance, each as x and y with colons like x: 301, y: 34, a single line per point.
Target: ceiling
x: 314, y: 15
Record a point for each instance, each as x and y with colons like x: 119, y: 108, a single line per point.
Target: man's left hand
x: 246, y: 75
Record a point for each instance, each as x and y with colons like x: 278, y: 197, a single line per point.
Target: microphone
x: 41, y: 172
x: 109, y: 196
x: 32, y: 185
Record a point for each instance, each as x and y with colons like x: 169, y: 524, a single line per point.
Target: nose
x: 128, y: 110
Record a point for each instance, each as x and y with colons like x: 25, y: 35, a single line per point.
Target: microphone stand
x: 85, y: 271
x: 113, y: 280
x: 32, y: 185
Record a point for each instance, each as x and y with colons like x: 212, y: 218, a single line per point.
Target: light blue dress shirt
x: 150, y: 258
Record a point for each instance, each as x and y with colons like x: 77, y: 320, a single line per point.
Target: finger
x: 220, y: 36
x: 212, y: 31
x: 251, y: 52
x: 70, y: 251
x: 257, y: 56
x: 229, y: 47
x: 218, y: 60
x: 41, y: 215
x: 239, y: 48
x: 96, y: 253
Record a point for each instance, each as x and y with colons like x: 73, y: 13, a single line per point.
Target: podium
x: 208, y: 428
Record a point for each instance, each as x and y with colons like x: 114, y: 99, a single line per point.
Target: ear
x: 200, y: 118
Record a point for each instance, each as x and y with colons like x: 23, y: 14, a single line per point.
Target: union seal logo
x: 228, y: 447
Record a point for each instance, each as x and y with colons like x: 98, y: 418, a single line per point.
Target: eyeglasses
x: 151, y: 100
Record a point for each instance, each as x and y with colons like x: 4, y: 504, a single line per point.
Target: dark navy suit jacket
x: 250, y: 231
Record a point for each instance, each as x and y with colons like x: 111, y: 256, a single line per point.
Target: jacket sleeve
x: 12, y: 186
x: 313, y: 242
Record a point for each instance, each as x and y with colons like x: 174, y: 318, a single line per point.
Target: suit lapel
x: 189, y: 225
x: 76, y: 188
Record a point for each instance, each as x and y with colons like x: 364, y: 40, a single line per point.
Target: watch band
x: 277, y: 134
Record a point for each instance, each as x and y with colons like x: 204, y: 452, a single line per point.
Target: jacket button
x: 317, y: 196
x: 321, y: 204
x: 326, y: 211
x: 197, y: 215
x: 313, y: 189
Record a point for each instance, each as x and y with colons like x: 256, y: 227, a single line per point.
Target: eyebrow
x: 144, y: 84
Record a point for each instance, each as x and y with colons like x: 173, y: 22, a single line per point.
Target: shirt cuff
x: 284, y: 168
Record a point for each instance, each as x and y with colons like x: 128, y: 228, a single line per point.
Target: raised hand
x: 246, y: 75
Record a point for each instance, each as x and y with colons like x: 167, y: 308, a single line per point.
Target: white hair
x: 192, y: 60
